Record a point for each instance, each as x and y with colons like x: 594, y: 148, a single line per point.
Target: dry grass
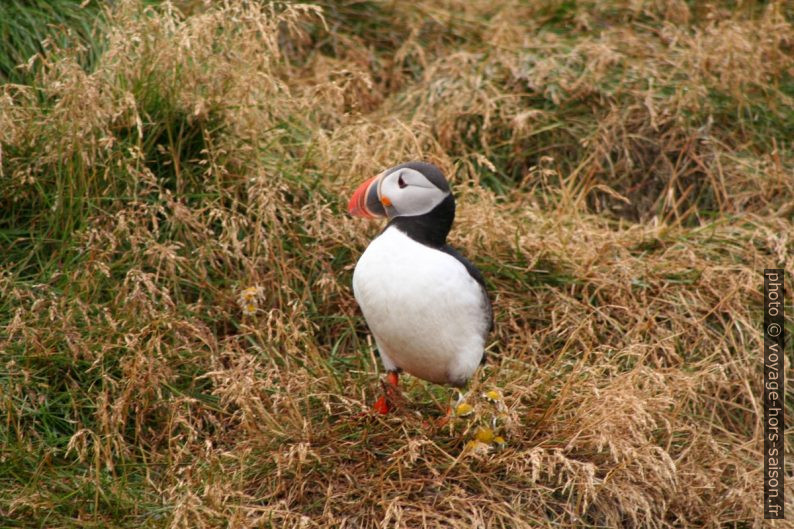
x: 624, y: 174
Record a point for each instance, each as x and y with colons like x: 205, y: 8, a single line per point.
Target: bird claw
x: 381, y: 406
x: 391, y: 394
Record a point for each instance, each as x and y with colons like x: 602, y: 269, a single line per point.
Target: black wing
x: 477, y: 275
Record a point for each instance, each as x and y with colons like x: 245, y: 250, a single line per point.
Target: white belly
x: 424, y: 309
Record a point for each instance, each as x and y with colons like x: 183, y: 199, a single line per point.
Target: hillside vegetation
x: 180, y: 343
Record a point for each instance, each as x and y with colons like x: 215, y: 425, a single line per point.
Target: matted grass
x: 180, y: 343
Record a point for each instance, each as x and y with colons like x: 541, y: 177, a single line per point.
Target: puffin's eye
x: 401, y: 182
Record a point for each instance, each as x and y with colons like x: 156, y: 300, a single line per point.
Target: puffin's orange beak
x: 365, y: 202
x: 358, y: 202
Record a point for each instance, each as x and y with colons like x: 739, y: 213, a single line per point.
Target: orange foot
x: 381, y: 406
x: 390, y: 390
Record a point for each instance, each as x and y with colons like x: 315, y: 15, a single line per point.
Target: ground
x: 180, y: 343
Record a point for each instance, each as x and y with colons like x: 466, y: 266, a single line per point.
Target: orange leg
x: 393, y: 378
x: 382, y: 404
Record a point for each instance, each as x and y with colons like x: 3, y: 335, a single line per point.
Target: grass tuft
x: 181, y: 347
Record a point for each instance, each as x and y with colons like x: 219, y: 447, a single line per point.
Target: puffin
x: 425, y: 304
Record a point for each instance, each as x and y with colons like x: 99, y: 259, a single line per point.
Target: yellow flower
x: 476, y: 447
x: 484, y: 435
x: 464, y: 409
x: 493, y: 396
x: 499, y: 441
x: 249, y: 309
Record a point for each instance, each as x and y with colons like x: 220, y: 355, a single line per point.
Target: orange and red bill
x: 366, y: 201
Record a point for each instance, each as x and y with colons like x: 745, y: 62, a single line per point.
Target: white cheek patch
x: 415, y: 201
x: 417, y: 197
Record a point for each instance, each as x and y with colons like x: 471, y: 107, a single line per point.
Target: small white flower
x: 249, y: 300
x: 477, y: 447
x: 464, y: 409
x: 493, y: 396
x: 251, y: 294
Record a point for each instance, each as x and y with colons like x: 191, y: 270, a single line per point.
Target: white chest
x: 424, y: 309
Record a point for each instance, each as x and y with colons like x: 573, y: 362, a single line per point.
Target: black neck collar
x: 430, y: 229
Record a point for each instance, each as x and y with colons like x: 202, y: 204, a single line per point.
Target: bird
x: 425, y: 304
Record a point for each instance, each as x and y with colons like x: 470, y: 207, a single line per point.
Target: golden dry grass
x: 623, y: 174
